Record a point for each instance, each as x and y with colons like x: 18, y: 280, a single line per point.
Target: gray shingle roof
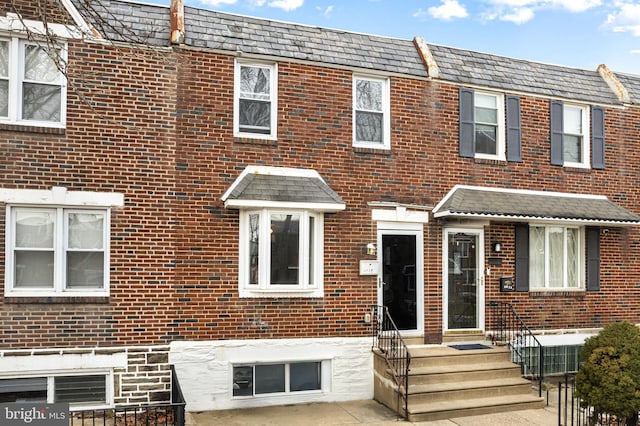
x: 127, y: 21
x: 499, y: 72
x: 268, y: 186
x: 532, y: 205
x: 632, y: 84
x: 210, y: 29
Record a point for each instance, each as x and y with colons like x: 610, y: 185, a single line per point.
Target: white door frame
x: 405, y: 228
x: 480, y: 288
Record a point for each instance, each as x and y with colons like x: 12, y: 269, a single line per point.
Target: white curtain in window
x: 537, y: 256
x: 4, y: 78
x: 34, y: 236
x: 573, y: 258
x: 556, y: 257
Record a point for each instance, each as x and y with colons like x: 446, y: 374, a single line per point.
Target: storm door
x: 400, y: 280
x: 463, y: 306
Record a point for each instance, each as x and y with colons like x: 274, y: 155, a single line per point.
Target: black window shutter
x: 522, y: 257
x: 514, y: 131
x: 593, y: 259
x: 467, y: 123
x: 557, y: 129
x: 597, y: 137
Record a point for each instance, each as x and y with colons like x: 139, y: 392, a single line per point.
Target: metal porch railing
x: 171, y: 414
x: 387, y: 339
x: 508, y: 328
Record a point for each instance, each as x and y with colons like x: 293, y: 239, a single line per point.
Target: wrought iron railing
x: 171, y: 414
x: 508, y: 328
x: 387, y: 339
x: 573, y: 411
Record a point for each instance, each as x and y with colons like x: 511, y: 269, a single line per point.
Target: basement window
x: 278, y: 378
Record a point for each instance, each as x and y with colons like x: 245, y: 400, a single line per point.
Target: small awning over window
x: 280, y: 187
x: 518, y: 205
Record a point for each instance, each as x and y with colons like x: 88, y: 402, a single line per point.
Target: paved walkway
x: 367, y: 412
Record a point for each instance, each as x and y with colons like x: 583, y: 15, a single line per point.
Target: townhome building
x: 230, y: 196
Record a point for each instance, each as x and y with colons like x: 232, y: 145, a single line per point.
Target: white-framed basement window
x: 32, y: 83
x: 280, y: 378
x: 81, y: 390
x: 281, y: 253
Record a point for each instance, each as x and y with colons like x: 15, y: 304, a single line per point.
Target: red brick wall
x: 158, y: 128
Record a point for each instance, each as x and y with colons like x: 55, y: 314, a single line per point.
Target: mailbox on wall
x: 506, y: 284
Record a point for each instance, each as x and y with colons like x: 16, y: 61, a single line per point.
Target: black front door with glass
x: 462, y: 279
x: 399, y: 279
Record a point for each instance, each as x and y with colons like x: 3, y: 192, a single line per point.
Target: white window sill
x: 280, y: 293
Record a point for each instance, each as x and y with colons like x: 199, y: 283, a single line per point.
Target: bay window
x: 280, y: 251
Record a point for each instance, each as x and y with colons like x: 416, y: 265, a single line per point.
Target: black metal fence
x: 573, y: 412
x: 171, y: 414
x: 387, y: 339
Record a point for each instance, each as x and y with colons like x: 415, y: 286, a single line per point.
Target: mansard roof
x: 632, y: 84
x: 503, y: 73
x: 123, y: 20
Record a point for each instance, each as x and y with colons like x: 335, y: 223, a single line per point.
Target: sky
x: 574, y: 33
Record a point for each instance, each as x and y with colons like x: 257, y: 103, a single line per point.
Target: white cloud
x: 286, y: 5
x: 257, y: 3
x: 448, y: 10
x: 326, y: 11
x: 521, y: 11
x: 518, y: 15
x: 216, y: 3
x: 636, y: 52
x: 625, y: 20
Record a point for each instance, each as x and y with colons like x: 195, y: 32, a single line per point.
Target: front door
x: 463, y: 306
x: 400, y: 280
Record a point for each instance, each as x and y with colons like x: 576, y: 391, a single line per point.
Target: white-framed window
x: 80, y: 390
x: 32, y: 83
x: 575, y: 138
x: 489, y: 129
x: 281, y: 253
x: 250, y: 380
x: 556, y: 257
x: 371, y: 113
x: 56, y: 251
x: 255, y: 96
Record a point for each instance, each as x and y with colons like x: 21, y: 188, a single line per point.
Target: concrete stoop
x: 446, y: 383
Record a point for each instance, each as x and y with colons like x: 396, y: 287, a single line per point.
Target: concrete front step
x: 424, y: 393
x: 472, y: 407
x: 451, y: 372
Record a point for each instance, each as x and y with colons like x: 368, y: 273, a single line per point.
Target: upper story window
x: 57, y: 251
x: 256, y: 100
x: 555, y: 257
x: 482, y: 125
x: 371, y: 117
x: 281, y: 251
x: 570, y: 137
x: 32, y: 84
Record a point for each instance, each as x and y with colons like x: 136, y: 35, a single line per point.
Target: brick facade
x: 157, y: 126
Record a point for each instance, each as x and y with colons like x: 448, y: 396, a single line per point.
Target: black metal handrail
x: 526, y: 350
x: 387, y: 339
x: 171, y: 414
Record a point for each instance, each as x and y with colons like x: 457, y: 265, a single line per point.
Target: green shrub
x: 609, y: 378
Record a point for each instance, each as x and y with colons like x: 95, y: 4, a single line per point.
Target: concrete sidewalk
x: 367, y: 412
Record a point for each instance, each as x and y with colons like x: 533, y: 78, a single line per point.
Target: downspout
x: 176, y: 21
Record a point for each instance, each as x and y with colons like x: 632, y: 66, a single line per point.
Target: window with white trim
x: 57, y: 251
x: 575, y: 138
x: 256, y: 93
x: 78, y: 390
x: 489, y: 125
x: 371, y: 114
x: 279, y: 378
x: 32, y: 84
x: 281, y: 252
x: 556, y: 258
